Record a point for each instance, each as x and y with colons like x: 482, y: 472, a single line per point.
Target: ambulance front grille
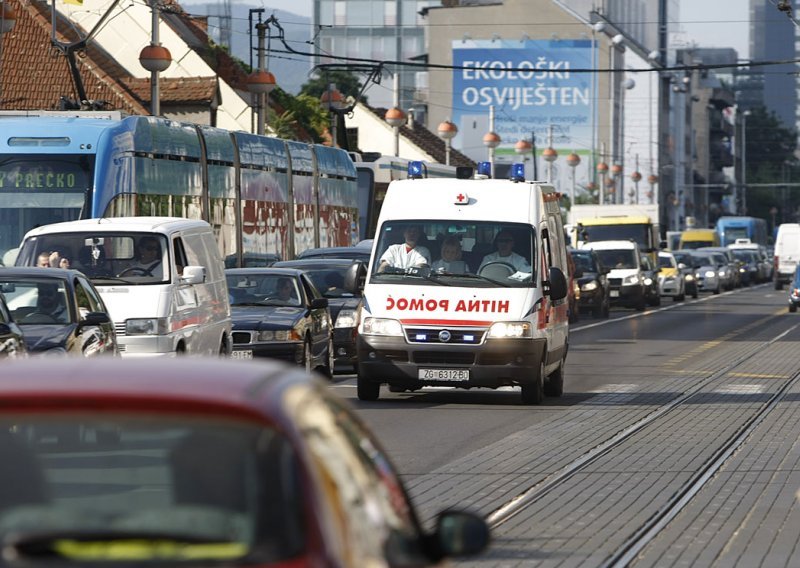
x: 445, y: 336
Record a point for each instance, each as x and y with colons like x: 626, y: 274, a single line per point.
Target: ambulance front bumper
x: 493, y: 363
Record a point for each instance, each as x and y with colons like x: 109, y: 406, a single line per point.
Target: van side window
x: 180, y: 255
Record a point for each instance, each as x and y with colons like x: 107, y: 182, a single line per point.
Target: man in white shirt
x: 407, y: 254
x: 504, y: 241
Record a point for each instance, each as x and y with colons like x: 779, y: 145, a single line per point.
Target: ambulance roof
x: 467, y: 199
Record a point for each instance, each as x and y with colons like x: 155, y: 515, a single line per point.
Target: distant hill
x: 290, y: 71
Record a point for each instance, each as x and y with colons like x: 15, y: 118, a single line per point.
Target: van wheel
x: 778, y: 285
x: 533, y: 392
x: 555, y: 382
x: 366, y: 389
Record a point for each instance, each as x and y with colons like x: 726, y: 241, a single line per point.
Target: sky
x: 709, y: 23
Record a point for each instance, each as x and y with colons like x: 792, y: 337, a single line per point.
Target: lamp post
x: 261, y: 82
x: 331, y: 101
x: 524, y: 148
x: 602, y: 169
x: 573, y: 161
x: 549, y: 154
x: 447, y: 130
x: 155, y: 59
x: 745, y: 114
x: 395, y: 117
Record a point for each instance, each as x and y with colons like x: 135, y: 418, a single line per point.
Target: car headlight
x: 648, y: 281
x: 632, y: 279
x: 280, y: 335
x: 146, y: 326
x: 721, y: 273
x: 382, y: 326
x: 690, y: 277
x: 348, y: 317
x: 710, y: 274
x: 510, y: 329
x: 589, y: 286
x: 742, y: 270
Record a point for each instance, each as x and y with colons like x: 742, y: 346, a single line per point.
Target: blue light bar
x: 518, y: 171
x: 485, y: 169
x: 417, y: 170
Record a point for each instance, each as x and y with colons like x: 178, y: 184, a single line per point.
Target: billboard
x: 533, y: 91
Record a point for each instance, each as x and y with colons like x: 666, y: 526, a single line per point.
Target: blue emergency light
x: 485, y: 169
x: 417, y: 170
x: 517, y: 171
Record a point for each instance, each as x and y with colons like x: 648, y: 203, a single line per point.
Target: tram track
x: 625, y: 552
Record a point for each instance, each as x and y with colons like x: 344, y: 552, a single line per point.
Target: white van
x: 162, y: 279
x: 626, y: 278
x: 787, y: 254
x: 478, y: 301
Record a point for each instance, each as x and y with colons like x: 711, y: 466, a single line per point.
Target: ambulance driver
x: 406, y: 254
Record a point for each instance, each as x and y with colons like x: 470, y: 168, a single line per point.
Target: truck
x: 592, y: 223
x: 494, y: 315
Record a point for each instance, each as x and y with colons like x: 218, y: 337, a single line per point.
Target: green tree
x: 770, y: 150
x: 346, y: 82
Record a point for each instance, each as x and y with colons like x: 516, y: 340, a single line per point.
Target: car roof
x: 355, y: 251
x: 194, y: 385
x: 164, y: 225
x: 264, y: 270
x: 316, y: 261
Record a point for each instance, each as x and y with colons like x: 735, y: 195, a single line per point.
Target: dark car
x: 341, y: 281
x: 59, y: 311
x: 688, y: 267
x: 359, y: 252
x: 749, y: 268
x: 592, y: 281
x: 253, y: 260
x: 216, y: 463
x: 280, y: 314
x: 794, y: 291
x: 12, y: 339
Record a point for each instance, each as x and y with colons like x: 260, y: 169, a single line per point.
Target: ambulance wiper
x: 477, y: 277
x: 426, y: 273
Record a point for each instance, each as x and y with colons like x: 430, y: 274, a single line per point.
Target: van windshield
x: 444, y: 253
x: 105, y: 257
x: 618, y: 258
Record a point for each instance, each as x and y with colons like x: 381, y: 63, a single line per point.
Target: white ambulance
x: 466, y: 288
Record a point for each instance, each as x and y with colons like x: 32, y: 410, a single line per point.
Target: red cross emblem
x: 462, y: 199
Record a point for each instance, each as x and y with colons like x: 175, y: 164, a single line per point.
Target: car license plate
x: 454, y: 375
x: 613, y: 293
x: 246, y: 354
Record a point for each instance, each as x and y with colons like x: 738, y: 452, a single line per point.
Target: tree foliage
x: 347, y: 84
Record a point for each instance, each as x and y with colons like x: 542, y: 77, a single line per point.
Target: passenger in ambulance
x: 406, y: 254
x: 451, y: 258
x: 504, y: 243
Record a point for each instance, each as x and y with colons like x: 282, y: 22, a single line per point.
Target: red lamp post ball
x: 602, y: 167
x: 549, y: 154
x: 155, y: 58
x: 395, y: 117
x: 491, y: 140
x: 523, y: 147
x: 652, y: 179
x: 573, y: 160
x: 260, y: 82
x: 447, y: 130
x: 636, y: 177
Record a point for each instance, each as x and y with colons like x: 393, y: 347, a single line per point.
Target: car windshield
x: 263, y: 289
x: 704, y: 260
x: 129, y: 257
x: 617, y: 258
x: 35, y: 301
x: 167, y: 490
x: 443, y: 253
x: 584, y: 261
x: 329, y: 280
x: 665, y: 262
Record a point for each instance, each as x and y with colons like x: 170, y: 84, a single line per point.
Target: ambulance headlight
x: 382, y: 326
x: 510, y: 329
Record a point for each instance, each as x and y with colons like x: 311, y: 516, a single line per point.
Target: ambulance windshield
x: 443, y: 253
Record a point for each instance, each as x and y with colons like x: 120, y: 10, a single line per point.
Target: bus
x: 375, y: 172
x: 263, y: 196
x: 731, y: 228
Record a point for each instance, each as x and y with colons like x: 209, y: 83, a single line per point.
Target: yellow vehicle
x: 698, y: 238
x: 638, y: 223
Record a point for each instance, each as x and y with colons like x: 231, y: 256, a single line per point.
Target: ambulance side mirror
x: 556, y: 286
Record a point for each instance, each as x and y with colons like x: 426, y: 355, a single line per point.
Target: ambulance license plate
x: 454, y: 375
x: 245, y: 354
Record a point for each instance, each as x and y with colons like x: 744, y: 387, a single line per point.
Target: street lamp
x: 573, y: 161
x: 745, y: 114
x: 155, y: 58
x: 395, y: 117
x: 491, y: 140
x: 332, y: 101
x: 524, y: 148
x: 447, y: 130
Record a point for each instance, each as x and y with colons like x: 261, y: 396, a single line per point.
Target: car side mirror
x: 193, y: 275
x: 557, y: 284
x: 95, y: 318
x: 318, y: 303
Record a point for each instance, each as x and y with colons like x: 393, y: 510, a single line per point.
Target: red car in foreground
x: 200, y: 463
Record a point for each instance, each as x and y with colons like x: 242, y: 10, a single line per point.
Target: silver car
x: 707, y: 272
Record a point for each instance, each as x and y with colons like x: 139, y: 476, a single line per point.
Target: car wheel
x: 327, y: 369
x: 554, y: 386
x: 695, y: 294
x: 716, y: 290
x: 598, y: 311
x: 308, y: 356
x: 778, y: 285
x: 366, y: 389
x: 533, y: 391
x: 793, y: 308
